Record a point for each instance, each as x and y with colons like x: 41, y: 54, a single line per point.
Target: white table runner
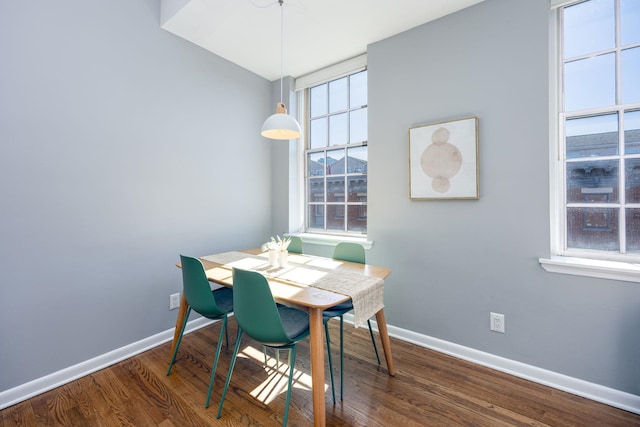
x: 366, y: 292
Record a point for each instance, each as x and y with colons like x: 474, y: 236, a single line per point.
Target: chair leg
x: 175, y: 352
x: 341, y: 357
x: 231, y: 365
x: 373, y: 340
x: 326, y: 333
x: 333, y: 388
x: 223, y: 328
x: 292, y: 362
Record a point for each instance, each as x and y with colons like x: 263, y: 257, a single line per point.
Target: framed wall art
x: 443, y: 160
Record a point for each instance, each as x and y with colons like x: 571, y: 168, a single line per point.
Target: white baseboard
x: 40, y: 385
x: 618, y: 399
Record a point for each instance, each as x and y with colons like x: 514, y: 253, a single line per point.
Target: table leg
x: 182, y: 317
x: 386, y: 343
x: 317, y: 366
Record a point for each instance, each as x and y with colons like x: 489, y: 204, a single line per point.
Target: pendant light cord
x: 281, y: 46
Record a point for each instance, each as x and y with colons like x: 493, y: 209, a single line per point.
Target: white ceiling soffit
x: 317, y: 33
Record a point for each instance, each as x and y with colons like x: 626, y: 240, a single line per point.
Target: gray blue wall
x: 121, y: 146
x: 455, y: 261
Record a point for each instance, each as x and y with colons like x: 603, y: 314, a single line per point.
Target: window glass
x: 593, y: 228
x: 632, y: 132
x: 318, y: 133
x: 592, y: 136
x: 335, y: 162
x: 338, y: 129
x: 592, y: 182
x: 633, y: 230
x: 589, y: 27
x: 315, y: 218
x: 630, y: 17
x: 630, y: 69
x: 598, y: 74
x: 632, y: 170
x: 358, y: 90
x: 315, y: 164
x: 338, y: 95
x: 358, y: 125
x: 318, y: 101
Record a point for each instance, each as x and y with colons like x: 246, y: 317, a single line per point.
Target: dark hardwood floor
x: 430, y: 389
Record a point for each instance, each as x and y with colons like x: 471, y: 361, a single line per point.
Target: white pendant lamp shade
x: 281, y: 125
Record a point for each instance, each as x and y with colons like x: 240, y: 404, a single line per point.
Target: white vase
x: 283, y: 258
x: 273, y: 258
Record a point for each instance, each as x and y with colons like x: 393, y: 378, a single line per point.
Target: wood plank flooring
x: 429, y: 389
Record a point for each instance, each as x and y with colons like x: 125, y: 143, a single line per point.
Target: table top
x: 289, y: 288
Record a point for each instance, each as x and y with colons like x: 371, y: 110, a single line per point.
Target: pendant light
x: 281, y: 125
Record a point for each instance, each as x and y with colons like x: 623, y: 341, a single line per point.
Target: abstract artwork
x: 443, y: 160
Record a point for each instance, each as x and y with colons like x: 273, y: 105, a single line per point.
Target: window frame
x: 583, y: 262
x: 346, y: 69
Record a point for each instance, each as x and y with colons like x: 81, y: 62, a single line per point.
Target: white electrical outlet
x: 496, y: 322
x: 174, y: 301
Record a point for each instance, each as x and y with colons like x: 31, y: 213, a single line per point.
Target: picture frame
x: 443, y: 160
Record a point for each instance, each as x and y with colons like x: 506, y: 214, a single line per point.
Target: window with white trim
x: 599, y: 129
x: 336, y: 160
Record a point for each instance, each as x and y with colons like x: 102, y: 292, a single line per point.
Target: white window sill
x: 614, y: 270
x: 332, y: 240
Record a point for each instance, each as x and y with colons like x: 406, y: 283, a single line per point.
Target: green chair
x: 353, y: 252
x: 273, y: 325
x: 295, y: 246
x: 212, y: 305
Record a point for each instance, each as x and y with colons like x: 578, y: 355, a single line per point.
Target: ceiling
x: 317, y: 33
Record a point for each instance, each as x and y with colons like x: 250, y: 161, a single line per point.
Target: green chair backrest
x: 296, y: 245
x: 196, y: 288
x: 347, y: 251
x: 255, y: 309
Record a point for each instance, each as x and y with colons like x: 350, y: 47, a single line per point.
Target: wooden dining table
x: 296, y: 292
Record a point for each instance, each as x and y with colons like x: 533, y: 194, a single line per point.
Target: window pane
x: 598, y: 74
x: 338, y: 95
x: 318, y: 133
x: 630, y: 17
x: 592, y: 182
x: 338, y: 129
x: 315, y: 190
x: 357, y: 218
x: 358, y: 90
x: 335, y: 162
x: 357, y: 187
x: 335, y: 189
x: 315, y: 164
x: 318, y: 100
x: 358, y: 126
x: 316, y: 216
x: 592, y: 136
x: 589, y: 27
x: 630, y: 75
x: 335, y: 217
x: 632, y: 132
x: 632, y: 192
x: 593, y: 228
x: 357, y: 160
x: 633, y: 230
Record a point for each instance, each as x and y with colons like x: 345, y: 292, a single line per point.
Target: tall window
x: 336, y: 156
x: 600, y: 128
